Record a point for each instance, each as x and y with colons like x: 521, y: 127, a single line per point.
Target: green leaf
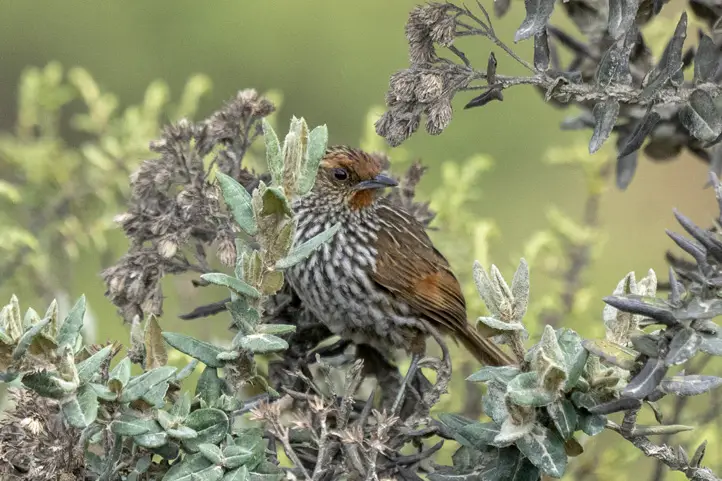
x: 592, y: 424
x: 104, y: 392
x: 275, y: 203
x: 91, y: 366
x: 187, y: 370
x: 494, y: 402
x: 121, y: 371
x: 211, y: 452
x: 477, y: 435
x: 689, y: 385
x: 275, y: 329
x: 317, y: 142
x: 236, y: 285
x: 138, y: 386
x: 301, y: 252
x: 575, y: 356
x: 193, y: 468
x: 211, y: 426
x: 564, y: 416
x: 499, y: 325
x: 239, y: 202
x: 130, y: 424
x: 209, y: 386
x: 52, y: 314
x: 239, y: 474
x: 182, y: 432
x: 71, y: 326
x: 612, y: 353
x: 81, y: 410
x: 182, y: 406
x: 155, y: 438
x: 545, y: 449
x: 47, y: 384
x: 273, y: 153
x: 263, y: 343
x: 27, y: 338
x: 524, y: 390
x: 205, y: 352
x: 248, y: 450
x: 503, y: 374
x: 155, y: 396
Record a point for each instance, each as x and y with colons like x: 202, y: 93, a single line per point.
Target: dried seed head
x: 444, y: 31
x: 438, y: 116
x: 429, y: 88
x: 227, y: 250
x: 402, y: 85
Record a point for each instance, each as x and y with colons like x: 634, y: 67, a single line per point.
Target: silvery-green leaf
x: 263, y: 343
x: 621, y: 16
x: 503, y: 374
x: 182, y: 432
x: 612, y: 353
x: 276, y: 329
x: 104, y: 392
x: 317, y: 141
x: 501, y: 325
x: 301, y: 252
x: 689, y: 385
x: 541, y: 51
x: 70, y: 328
x: 140, y: 385
x: 510, y: 432
x: 584, y: 400
x: 701, y: 117
x: 575, y: 356
x: 706, y: 60
x: 592, y: 424
x: 670, y: 62
x: 513, y: 466
x: 52, y: 313
x: 545, y: 449
x: 91, y: 366
x: 520, y: 289
x: 46, y: 384
x: 121, y: 371
x: 605, y: 114
x: 155, y: 396
x: 211, y: 452
x: 494, y: 402
x: 647, y: 380
x: 491, y: 296
x: 80, y: 410
x: 683, y: 347
x: 187, y: 370
x: 273, y: 152
x: 27, y: 338
x: 698, y: 309
x: 129, y: 424
x: 30, y: 318
x: 455, y: 422
x: 203, y: 351
x: 613, y: 68
x: 477, y: 435
x: 564, y: 416
x: 244, y: 316
x: 194, y: 468
x: 210, y: 424
x: 247, y: 449
x: 154, y: 438
x: 711, y: 344
x: 275, y: 202
x: 538, y: 13
x: 238, y: 474
x: 652, y: 307
x: 646, y: 344
x: 236, y: 285
x: 209, y: 386
x: 5, y: 338
x: 239, y: 202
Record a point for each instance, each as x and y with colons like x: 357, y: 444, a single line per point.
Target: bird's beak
x: 378, y: 182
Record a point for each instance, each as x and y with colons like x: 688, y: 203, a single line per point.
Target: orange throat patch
x: 361, y: 199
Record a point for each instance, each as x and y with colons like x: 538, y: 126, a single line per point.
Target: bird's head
x: 351, y: 176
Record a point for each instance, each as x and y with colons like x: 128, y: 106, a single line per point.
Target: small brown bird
x: 379, y: 281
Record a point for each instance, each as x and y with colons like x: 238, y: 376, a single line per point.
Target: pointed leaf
x: 635, y: 140
x: 155, y: 352
x: 564, y: 416
x: 706, y: 60
x: 273, y: 152
x: 605, y: 117
x: 121, y: 371
x: 613, y: 68
x: 613, y: 353
x: 210, y: 424
x: 652, y: 307
x: 701, y: 117
x: 684, y: 346
x: 503, y: 374
x: 621, y: 16
x: 194, y: 468
x: 538, y: 13
x: 575, y: 356
x: 138, y: 386
x: 263, y: 343
x: 81, y: 410
x: 317, y: 141
x: 524, y: 390
x: 129, y: 424
x: 205, y: 352
x: 545, y: 449
x: 276, y: 329
x: 91, y: 366
x: 46, y: 384
x: 592, y: 424
x: 236, y: 285
x: 239, y: 474
x: 71, y: 326
x: 647, y: 380
x: 27, y: 338
x: 301, y: 252
x: 211, y: 452
x: 541, y: 51
x: 689, y: 385
x: 239, y: 202
x: 209, y: 386
x: 670, y: 63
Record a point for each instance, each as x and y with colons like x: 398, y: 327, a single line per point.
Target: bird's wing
x: 408, y: 265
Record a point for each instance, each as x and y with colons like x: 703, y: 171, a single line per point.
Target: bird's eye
x: 340, y: 174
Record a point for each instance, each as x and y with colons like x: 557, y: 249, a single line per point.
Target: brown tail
x: 484, y: 350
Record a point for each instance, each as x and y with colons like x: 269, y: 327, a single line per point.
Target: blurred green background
x: 331, y: 61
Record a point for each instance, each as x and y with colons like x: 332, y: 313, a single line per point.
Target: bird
x: 378, y: 281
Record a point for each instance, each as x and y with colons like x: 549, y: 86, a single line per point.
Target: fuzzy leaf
x: 621, y: 16
x: 503, y: 374
x: 211, y: 426
x: 155, y: 396
x: 27, y: 338
x: 273, y: 152
x: 275, y: 202
x: 689, y: 385
x: 613, y: 68
x: 239, y: 202
x: 541, y: 51
x: 564, y: 416
x: 711, y: 344
x: 501, y: 325
x: 520, y: 290
x: 670, y: 62
x: 209, y: 386
x: 706, y: 60
x: 575, y: 356
x: 194, y: 468
x: 605, y: 115
x: 301, y: 252
x: 263, y: 343
x: 647, y: 380
x: 701, y: 117
x: 211, y: 452
x: 635, y: 140
x: 248, y: 449
x: 538, y: 13
x: 205, y: 352
x: 684, y: 346
x: 238, y: 474
x: 613, y: 353
x: 236, y: 285
x: 524, y: 390
x: 545, y: 449
x: 46, y: 384
x: 128, y: 424
x: 91, y: 366
x: 276, y: 329
x: 494, y: 402
x: 138, y: 386
x: 478, y: 435
x: 155, y: 352
x: 71, y: 326
x: 121, y: 371
x: 317, y: 142
x: 646, y: 306
x: 616, y: 405
x: 81, y: 410
x: 592, y: 424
